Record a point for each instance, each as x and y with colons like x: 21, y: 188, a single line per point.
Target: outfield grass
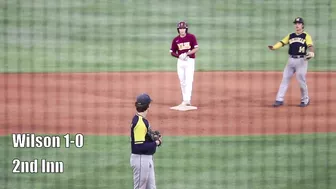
x: 283, y: 161
x: 129, y: 35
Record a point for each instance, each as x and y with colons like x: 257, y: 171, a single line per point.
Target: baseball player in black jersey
x: 143, y: 145
x: 299, y: 42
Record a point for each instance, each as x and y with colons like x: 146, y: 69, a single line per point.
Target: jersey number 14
x: 301, y: 49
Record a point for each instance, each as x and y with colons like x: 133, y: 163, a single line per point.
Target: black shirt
x: 141, y: 143
x: 298, y: 43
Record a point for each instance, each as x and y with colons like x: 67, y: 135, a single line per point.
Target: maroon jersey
x: 184, y: 44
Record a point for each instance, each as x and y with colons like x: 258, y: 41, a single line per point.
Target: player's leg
x: 190, y: 69
x: 140, y: 166
x: 286, y: 76
x: 301, y: 71
x: 182, y: 77
x: 151, y: 180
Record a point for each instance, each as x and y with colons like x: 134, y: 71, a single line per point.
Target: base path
x: 229, y: 103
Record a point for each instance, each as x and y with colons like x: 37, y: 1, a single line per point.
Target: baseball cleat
x: 182, y: 104
x: 277, y: 103
x: 304, y: 104
x: 185, y: 103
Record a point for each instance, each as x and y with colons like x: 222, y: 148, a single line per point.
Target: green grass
x: 240, y: 162
x: 129, y: 35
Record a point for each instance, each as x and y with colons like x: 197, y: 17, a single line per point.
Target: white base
x: 183, y: 108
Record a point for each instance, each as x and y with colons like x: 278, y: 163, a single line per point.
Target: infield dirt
x: 229, y: 103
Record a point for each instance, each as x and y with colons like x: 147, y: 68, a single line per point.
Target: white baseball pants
x: 185, y: 71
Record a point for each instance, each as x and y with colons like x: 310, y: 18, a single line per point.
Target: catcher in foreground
x: 144, y: 142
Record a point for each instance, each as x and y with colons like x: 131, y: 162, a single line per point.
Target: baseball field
x: 77, y: 66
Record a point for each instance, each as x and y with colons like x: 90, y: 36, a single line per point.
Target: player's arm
x: 173, y: 49
x: 280, y: 44
x: 174, y: 54
x: 311, y: 49
x: 192, y: 51
x: 194, y: 45
x: 310, y: 46
x: 309, y: 43
x: 148, y: 129
x: 144, y: 147
x: 140, y: 131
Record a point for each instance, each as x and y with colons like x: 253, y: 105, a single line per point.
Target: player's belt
x: 297, y: 56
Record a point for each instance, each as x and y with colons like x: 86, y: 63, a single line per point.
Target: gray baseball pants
x: 143, y: 171
x: 298, y: 66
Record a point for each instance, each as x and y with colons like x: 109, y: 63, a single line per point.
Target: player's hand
x: 159, y: 142
x: 183, y: 56
x: 270, y: 47
x: 310, y: 55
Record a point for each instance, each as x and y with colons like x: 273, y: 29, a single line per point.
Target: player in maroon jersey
x: 184, y: 47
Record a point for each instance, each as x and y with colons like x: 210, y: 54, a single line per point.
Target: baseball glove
x: 155, y: 135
